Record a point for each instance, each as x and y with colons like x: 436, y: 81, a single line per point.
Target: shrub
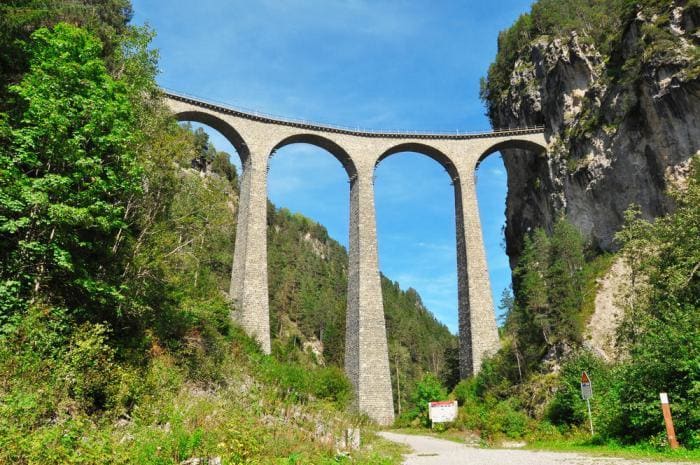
x: 89, y: 370
x: 465, y: 392
x: 427, y: 390
x: 492, y: 418
x: 332, y: 384
x: 567, y: 408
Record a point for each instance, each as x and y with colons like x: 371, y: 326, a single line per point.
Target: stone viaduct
x: 256, y: 137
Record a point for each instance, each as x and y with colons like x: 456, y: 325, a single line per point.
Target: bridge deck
x: 256, y: 116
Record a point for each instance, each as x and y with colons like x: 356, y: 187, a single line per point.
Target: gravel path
x: 432, y: 451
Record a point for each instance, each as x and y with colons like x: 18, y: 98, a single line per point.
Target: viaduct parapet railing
x: 339, y: 129
x: 257, y: 136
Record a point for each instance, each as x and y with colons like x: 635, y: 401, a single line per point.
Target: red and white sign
x: 586, y: 387
x: 443, y: 411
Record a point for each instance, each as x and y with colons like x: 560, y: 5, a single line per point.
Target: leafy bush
x: 568, y: 409
x: 428, y: 389
x: 492, y: 418
x: 68, y: 173
x: 300, y: 383
x: 661, y: 328
x: 89, y: 369
x: 116, y: 342
x: 332, y: 384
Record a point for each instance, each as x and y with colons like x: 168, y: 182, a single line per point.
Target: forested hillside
x: 116, y: 241
x: 308, y: 286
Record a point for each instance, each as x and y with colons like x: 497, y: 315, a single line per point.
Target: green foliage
x: 418, y: 341
x: 492, y: 418
x: 550, y: 283
x: 116, y: 342
x: 51, y: 373
x: 308, y: 281
x: 510, y: 45
x: 89, y: 369
x: 67, y: 175
x: 332, y: 384
x: 600, y: 23
x: 661, y: 328
x: 308, y: 285
x: 450, y: 374
x: 428, y: 389
x: 106, y: 19
x: 298, y: 383
x: 567, y: 409
x: 658, y: 339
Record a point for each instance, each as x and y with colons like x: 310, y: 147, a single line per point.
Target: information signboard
x: 443, y: 412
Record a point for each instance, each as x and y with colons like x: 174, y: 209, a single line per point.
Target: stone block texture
x: 256, y: 137
x: 366, y: 352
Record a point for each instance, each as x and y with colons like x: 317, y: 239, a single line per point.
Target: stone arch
x: 322, y: 142
x: 522, y: 144
x: 477, y: 308
x: 426, y: 150
x: 228, y: 131
x: 335, y: 194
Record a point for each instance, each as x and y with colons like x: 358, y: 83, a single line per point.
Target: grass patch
x: 379, y: 451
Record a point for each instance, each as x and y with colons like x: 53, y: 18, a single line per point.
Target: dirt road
x: 432, y: 451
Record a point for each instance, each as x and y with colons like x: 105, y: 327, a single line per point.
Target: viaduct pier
x: 256, y: 137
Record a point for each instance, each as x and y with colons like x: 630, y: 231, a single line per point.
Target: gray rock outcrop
x: 615, y: 141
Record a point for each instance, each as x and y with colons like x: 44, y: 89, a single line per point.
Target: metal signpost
x: 586, y: 394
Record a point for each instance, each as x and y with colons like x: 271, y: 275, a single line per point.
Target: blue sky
x: 408, y: 65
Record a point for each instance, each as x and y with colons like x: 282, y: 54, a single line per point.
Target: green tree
x: 106, y: 19
x: 530, y: 320
x: 428, y: 389
x: 68, y: 170
x: 661, y: 328
x: 450, y: 374
x: 566, y: 278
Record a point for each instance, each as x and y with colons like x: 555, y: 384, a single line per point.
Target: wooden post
x: 670, y: 431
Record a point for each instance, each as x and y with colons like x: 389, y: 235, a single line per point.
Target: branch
x: 692, y: 273
x: 178, y: 248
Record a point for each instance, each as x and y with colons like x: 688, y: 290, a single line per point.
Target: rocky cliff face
x: 622, y: 124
